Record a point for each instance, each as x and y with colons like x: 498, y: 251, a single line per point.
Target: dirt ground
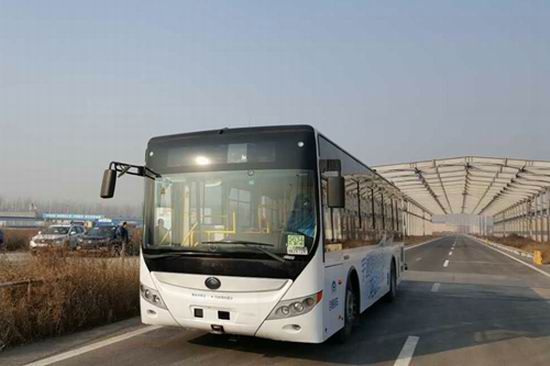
x: 524, y: 244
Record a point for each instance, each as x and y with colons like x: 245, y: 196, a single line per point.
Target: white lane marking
x: 435, y: 287
x: 514, y: 258
x: 450, y: 253
x: 406, y: 354
x: 446, y: 263
x: 91, y: 347
x: 418, y: 259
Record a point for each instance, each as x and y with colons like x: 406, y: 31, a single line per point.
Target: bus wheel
x: 392, y: 293
x: 350, y: 314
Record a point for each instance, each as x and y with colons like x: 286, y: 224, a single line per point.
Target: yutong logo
x: 212, y: 283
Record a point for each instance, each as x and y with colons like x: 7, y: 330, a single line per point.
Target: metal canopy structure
x: 471, y: 184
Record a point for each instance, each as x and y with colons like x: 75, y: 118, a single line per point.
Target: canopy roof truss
x: 470, y: 184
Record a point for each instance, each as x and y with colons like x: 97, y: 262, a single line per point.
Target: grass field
x: 74, y: 293
x: 18, y: 239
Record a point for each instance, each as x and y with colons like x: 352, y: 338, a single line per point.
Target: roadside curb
x: 519, y: 252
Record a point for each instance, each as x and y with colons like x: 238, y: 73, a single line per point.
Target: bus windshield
x: 234, y: 210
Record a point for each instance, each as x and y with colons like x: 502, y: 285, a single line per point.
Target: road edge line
x: 516, y: 251
x: 426, y: 242
x: 407, y: 352
x: 91, y: 347
x: 512, y: 257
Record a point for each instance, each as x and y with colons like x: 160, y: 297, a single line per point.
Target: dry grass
x: 136, y: 238
x: 410, y: 240
x: 525, y: 244
x: 76, y: 293
x: 18, y: 239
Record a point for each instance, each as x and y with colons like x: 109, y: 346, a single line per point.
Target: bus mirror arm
x: 330, y: 165
x: 336, y: 185
x: 336, y: 192
x: 110, y: 176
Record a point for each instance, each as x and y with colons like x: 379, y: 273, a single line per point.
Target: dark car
x: 1, y: 240
x: 100, y: 238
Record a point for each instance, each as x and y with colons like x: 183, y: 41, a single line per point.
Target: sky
x: 84, y: 83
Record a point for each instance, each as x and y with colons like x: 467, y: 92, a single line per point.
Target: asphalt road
x: 462, y: 303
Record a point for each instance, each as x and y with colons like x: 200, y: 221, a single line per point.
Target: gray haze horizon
x: 82, y: 84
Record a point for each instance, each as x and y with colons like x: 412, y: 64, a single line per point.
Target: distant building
x: 31, y: 219
x: 21, y: 219
x: 442, y: 228
x: 70, y: 217
x: 463, y: 223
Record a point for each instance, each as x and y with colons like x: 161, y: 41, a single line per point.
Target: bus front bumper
x: 307, y: 328
x: 233, y: 313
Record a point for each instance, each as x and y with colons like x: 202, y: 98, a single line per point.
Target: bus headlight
x: 284, y: 310
x: 298, y: 307
x: 295, y: 307
x: 151, y: 296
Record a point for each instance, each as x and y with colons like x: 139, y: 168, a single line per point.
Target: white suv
x: 58, y: 236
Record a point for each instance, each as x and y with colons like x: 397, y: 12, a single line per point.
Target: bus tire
x: 351, y: 313
x: 392, y: 293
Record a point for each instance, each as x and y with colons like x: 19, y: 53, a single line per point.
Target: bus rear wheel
x: 392, y: 293
x: 351, y: 314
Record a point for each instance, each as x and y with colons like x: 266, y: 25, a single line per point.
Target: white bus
x: 273, y: 232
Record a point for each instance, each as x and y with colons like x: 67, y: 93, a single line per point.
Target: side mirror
x: 108, y: 184
x: 336, y: 192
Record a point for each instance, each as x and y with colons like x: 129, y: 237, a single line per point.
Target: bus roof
x: 277, y: 128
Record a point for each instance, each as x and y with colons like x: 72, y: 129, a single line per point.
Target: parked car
x: 100, y: 238
x: 58, y: 236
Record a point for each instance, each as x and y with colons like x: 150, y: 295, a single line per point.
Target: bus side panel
x: 371, y: 276
x: 334, y: 295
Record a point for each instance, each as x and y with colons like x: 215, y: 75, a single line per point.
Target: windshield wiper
x: 175, y: 253
x: 163, y: 254
x: 243, y: 242
x: 249, y: 244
